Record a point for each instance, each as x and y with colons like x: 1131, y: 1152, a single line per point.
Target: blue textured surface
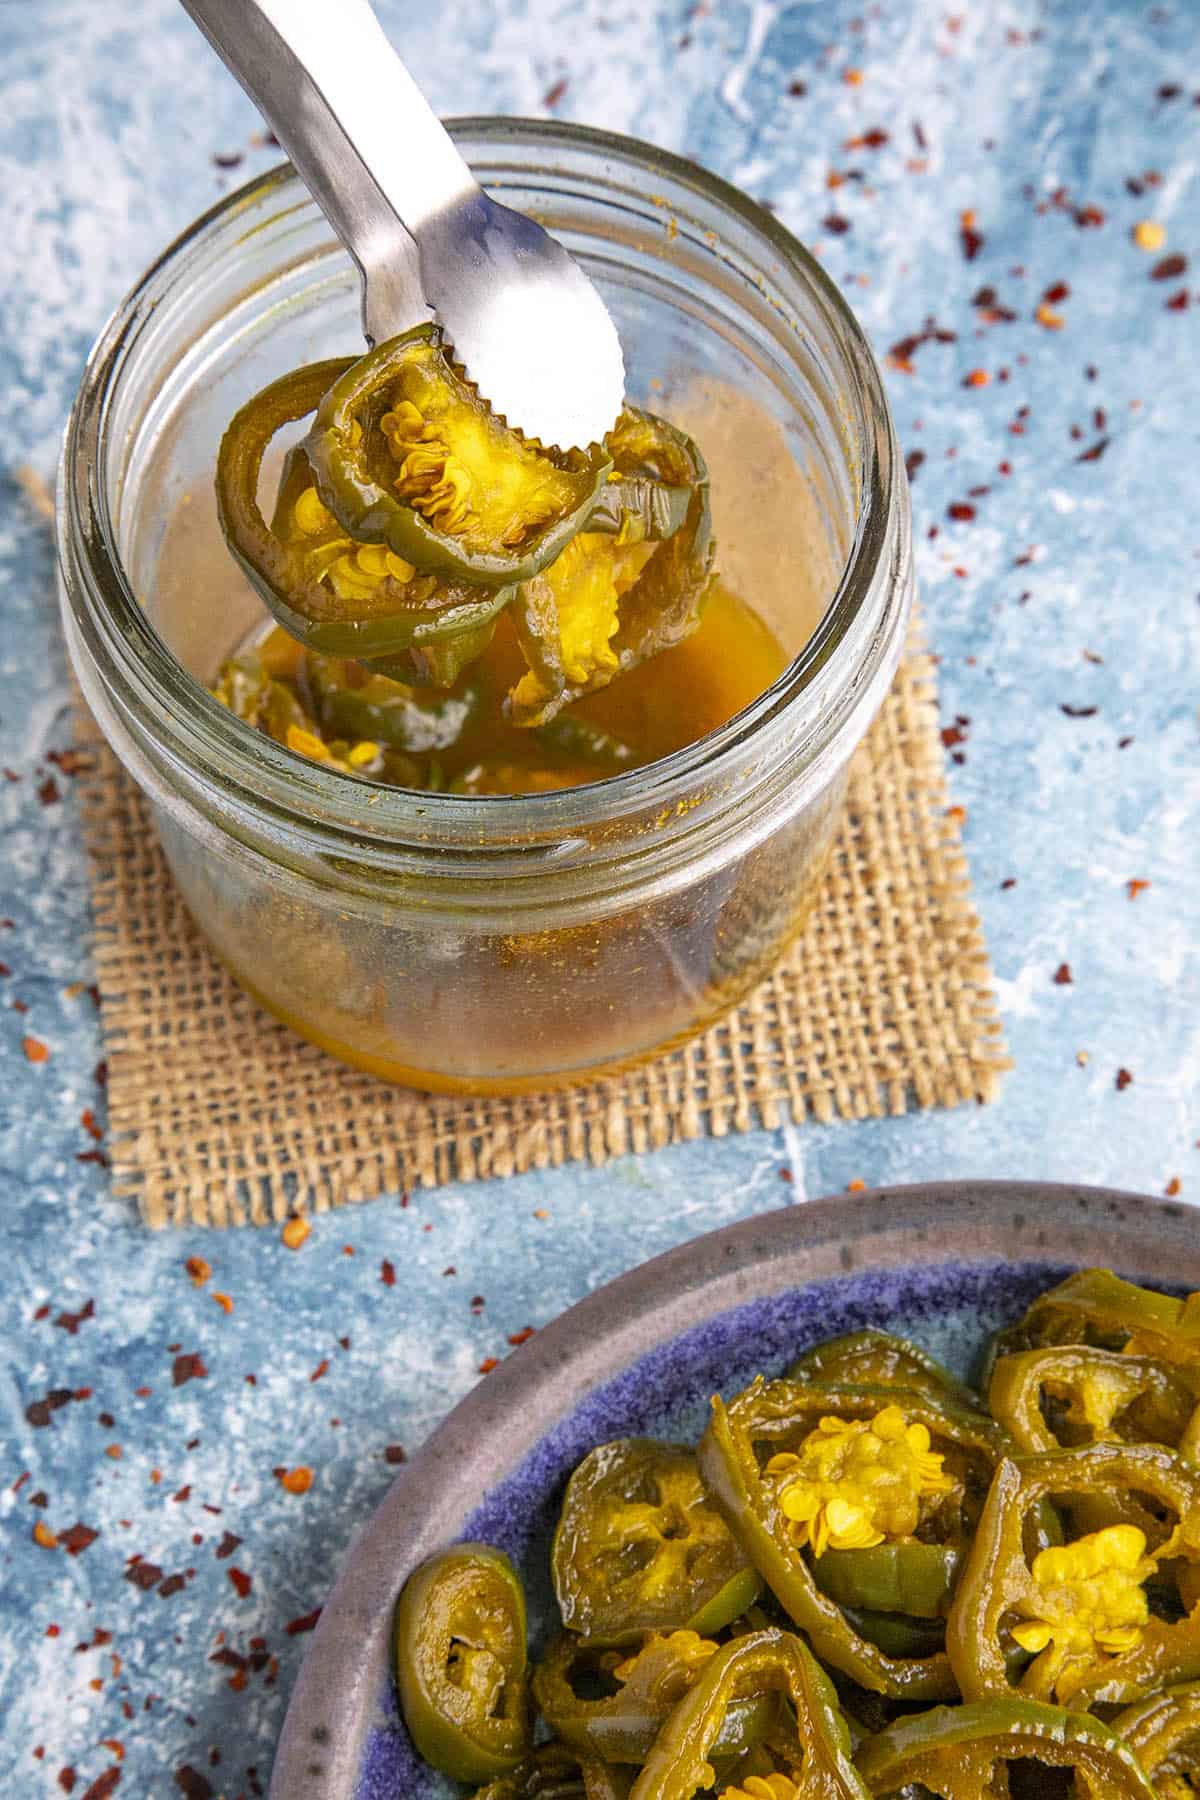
x: 1074, y: 586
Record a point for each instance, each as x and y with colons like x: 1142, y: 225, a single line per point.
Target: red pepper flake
x: 49, y: 793
x: 1136, y: 887
x: 488, y: 1364
x: 182, y: 1494
x: 554, y: 94
x: 43, y: 1312
x: 67, y: 1779
x: 395, y: 1453
x: 517, y: 1338
x: 1059, y: 292
x: 43, y: 1537
x: 857, y: 1186
x: 837, y: 223
x: 224, y: 1301
x: 306, y: 1622
x: 1047, y: 317
x: 976, y: 378
x: 961, y: 510
x: 1094, y: 451
x: 107, y: 1784
x: 1063, y: 976
x: 387, y: 1273
x: 115, y: 1746
x: 70, y: 1322
x: 241, y: 1581
x: 785, y: 1174
x: 199, y: 1270
x: 53, y: 1631
x: 1173, y: 1187
x: 1123, y: 1080
x: 297, y: 1480
x: 449, y: 1270
x: 227, y: 1546
x: 1168, y: 267
x: 38, y: 1412
x: 35, y: 1050
x: 295, y: 1231
x: 192, y: 1784
x: 1078, y: 712
x: 174, y: 1584
x: 189, y: 1367
x: 92, y: 1156
x: 322, y: 1368
x: 87, y: 1119
x: 1178, y: 302
x: 145, y: 1575
x: 971, y: 239
x: 912, y: 463
x: 77, y: 1539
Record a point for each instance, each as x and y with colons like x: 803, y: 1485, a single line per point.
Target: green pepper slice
x: 1082, y: 1615
x: 299, y: 561
x: 647, y: 1684
x: 358, y: 703
x: 1164, y: 1734
x: 816, y: 1745
x: 780, y: 1417
x: 460, y: 1663
x: 879, y: 1358
x: 1099, y: 1396
x: 963, y: 1752
x: 612, y: 600
x: 406, y: 453
x: 554, y: 1772
x: 912, y: 1577
x: 640, y: 1547
x: 1097, y: 1307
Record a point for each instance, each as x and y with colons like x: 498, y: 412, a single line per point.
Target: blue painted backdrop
x: 974, y: 181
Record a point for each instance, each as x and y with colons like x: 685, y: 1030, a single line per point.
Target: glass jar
x: 492, y: 944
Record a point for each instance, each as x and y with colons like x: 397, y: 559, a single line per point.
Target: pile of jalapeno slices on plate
x: 868, y: 1579
x: 409, y: 517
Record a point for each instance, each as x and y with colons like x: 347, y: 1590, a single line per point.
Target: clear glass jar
x: 497, y: 943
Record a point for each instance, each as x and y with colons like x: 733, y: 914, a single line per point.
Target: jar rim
x: 327, y: 801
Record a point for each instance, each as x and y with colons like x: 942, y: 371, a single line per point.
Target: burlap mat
x: 220, y: 1116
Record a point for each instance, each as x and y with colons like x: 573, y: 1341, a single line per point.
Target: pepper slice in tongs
x: 641, y: 1547
x: 460, y: 1662
x: 1164, y: 1734
x: 407, y: 454
x: 789, y: 1466
x: 812, y: 1752
x: 335, y: 595
x: 964, y: 1752
x: 633, y: 582
x: 1081, y: 1614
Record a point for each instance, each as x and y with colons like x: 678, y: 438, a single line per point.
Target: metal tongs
x: 522, y: 317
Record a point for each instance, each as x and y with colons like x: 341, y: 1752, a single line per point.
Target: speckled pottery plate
x: 945, y: 1264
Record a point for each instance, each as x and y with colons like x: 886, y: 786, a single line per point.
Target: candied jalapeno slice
x: 611, y: 1703
x: 1164, y: 1734
x: 616, y: 597
x: 407, y: 454
x: 1075, y: 1622
x: 1066, y: 1395
x: 387, y: 608
x: 878, y: 1357
x: 460, y: 1663
x: 640, y: 1546
x: 965, y: 1753
x: 782, y: 1460
x: 813, y: 1745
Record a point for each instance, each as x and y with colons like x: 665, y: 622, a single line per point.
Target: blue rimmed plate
x: 944, y: 1263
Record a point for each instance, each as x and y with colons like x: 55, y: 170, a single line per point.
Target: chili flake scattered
x: 857, y: 1186
x: 387, y: 1273
x: 307, y: 1622
x: 517, y: 1338
x: 295, y: 1232
x: 853, y: 77
x: 1173, y: 1187
x: 43, y: 1536
x: 1136, y: 887
x: 1123, y: 1080
x: 976, y: 378
x: 1148, y: 234
x: 241, y: 1581
x: 1046, y: 316
x: 224, y: 1301
x: 1063, y: 976
x: 35, y: 1050
x: 296, y: 1481
x: 488, y: 1364
x: 198, y: 1269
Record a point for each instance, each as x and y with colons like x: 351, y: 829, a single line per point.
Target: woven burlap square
x: 220, y: 1116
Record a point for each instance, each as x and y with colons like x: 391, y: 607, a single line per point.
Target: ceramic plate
x: 944, y: 1264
